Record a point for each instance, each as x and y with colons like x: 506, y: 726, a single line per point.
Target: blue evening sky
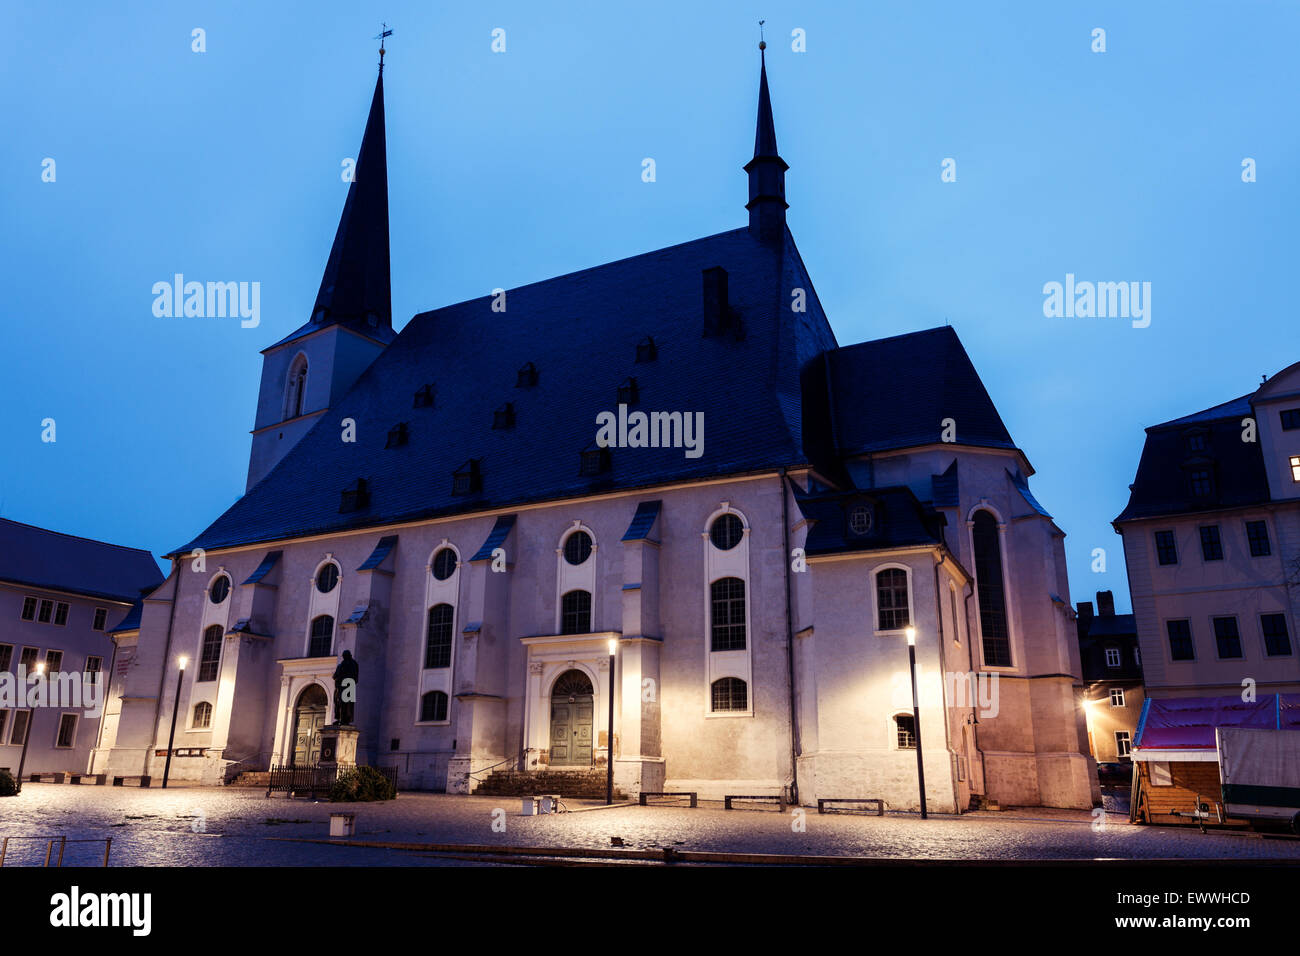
x: 509, y: 168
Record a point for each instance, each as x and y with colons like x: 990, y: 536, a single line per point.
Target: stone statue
x: 345, y: 689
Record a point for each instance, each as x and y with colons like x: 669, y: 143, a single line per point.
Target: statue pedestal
x: 338, y: 745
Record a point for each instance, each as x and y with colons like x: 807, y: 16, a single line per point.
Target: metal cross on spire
x: 384, y: 32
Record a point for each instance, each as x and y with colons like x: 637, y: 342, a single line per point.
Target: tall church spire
x: 355, y: 288
x: 766, y: 170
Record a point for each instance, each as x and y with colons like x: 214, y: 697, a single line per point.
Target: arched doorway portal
x: 308, y: 718
x: 572, y: 707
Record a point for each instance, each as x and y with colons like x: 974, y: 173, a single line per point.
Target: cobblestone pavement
x: 188, y: 826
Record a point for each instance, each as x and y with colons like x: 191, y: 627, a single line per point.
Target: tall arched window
x: 728, y: 620
x: 437, y: 645
x: 210, y: 653
x: 992, y: 596
x: 202, y: 715
x: 575, y: 613
x: 433, y: 706
x: 296, y: 388
x: 893, y: 614
x: 322, y: 637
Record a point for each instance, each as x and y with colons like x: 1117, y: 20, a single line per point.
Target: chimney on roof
x: 1105, y: 603
x: 1084, y: 611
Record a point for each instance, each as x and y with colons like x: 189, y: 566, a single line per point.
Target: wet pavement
x: 200, y: 826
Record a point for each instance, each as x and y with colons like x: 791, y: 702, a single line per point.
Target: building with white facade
x: 1212, y: 543
x: 667, y: 459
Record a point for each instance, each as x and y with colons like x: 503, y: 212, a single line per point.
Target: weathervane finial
x: 762, y: 43
x: 383, y: 33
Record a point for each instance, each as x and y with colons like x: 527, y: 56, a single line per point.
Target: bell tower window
x: 296, y: 389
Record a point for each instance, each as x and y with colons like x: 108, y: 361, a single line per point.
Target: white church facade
x: 500, y: 572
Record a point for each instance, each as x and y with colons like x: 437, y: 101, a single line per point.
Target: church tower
x: 304, y: 374
x: 766, y: 170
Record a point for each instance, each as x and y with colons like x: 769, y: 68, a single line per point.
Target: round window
x: 861, y: 519
x: 444, y: 564
x: 326, y: 578
x: 577, y: 547
x: 726, y: 532
x: 219, y: 590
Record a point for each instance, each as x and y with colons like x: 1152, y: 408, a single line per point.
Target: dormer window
x: 504, y: 417
x: 1201, y: 482
x: 355, y: 497
x: 424, y: 397
x: 467, y: 479
x: 594, y: 461
x: 646, y: 351
x: 398, y: 435
x: 1196, y: 442
x: 628, y: 393
x: 527, y: 376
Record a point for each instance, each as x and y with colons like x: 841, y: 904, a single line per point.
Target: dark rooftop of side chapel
x: 40, y: 558
x: 773, y: 385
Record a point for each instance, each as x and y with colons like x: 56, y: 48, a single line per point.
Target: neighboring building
x: 60, y: 597
x: 1112, y: 678
x: 480, y: 546
x: 1212, y: 543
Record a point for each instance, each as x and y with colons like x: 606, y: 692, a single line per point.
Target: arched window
x: 730, y: 693
x: 728, y: 600
x: 893, y: 613
x: 202, y: 715
x: 210, y: 653
x: 575, y: 613
x: 905, y: 728
x: 433, y: 706
x: 296, y: 389
x: 437, y: 646
x: 992, y: 597
x: 322, y: 637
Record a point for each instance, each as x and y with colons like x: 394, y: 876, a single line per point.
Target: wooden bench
x: 142, y: 780
x: 693, y: 795
x: 823, y: 806
x: 98, y: 779
x: 54, y: 777
x: 776, y: 798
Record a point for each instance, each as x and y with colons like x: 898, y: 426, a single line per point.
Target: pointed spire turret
x: 766, y: 170
x: 355, y: 288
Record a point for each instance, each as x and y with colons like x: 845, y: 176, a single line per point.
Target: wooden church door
x: 572, y: 711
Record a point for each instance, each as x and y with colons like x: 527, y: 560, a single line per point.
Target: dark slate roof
x: 945, y: 489
x: 496, y: 537
x: 895, y: 392
x: 898, y: 520
x: 1103, y: 631
x: 580, y: 331
x: 1022, y: 486
x: 643, y: 520
x: 263, y: 569
x: 132, y: 620
x: 380, y: 554
x: 64, y: 562
x: 1162, y: 487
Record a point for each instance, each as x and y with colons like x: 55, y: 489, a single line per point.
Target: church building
x: 660, y: 480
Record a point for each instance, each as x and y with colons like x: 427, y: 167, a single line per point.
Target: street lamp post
x: 916, y: 717
x: 609, y: 733
x: 27, y: 735
x: 176, y: 706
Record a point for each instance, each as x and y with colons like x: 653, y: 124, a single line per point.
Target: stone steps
x: 582, y: 784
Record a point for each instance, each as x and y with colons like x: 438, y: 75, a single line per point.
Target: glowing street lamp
x: 176, y: 706
x: 27, y: 734
x: 916, y: 717
x: 609, y: 733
